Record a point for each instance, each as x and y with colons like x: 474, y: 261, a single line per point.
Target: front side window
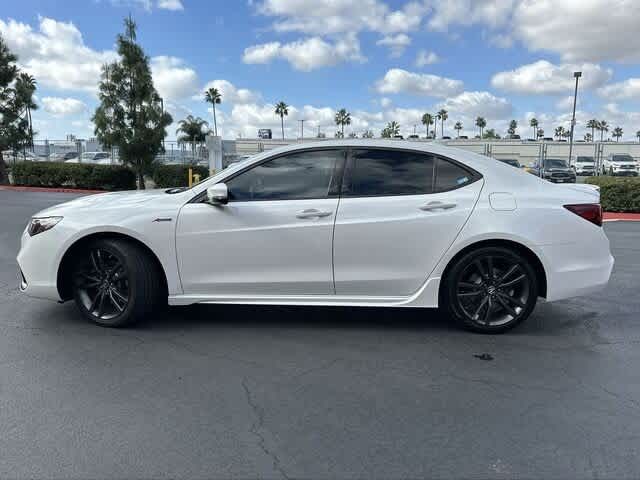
x: 388, y: 172
x: 297, y: 176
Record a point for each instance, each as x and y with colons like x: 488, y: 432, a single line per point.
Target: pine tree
x: 130, y: 115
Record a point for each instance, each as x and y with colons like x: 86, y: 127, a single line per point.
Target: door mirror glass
x: 218, y: 194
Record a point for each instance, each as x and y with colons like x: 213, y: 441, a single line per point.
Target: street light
x: 576, y: 75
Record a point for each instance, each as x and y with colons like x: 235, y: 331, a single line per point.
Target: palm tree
x: 559, y: 133
x: 26, y: 86
x: 342, y: 118
x: 593, y: 125
x: 481, y: 123
x: 427, y: 121
x: 588, y: 137
x: 458, y: 127
x: 391, y: 130
x: 213, y: 96
x: 638, y: 135
x: 540, y: 133
x: 193, y: 131
x: 533, y: 123
x: 513, y: 127
x: 443, y: 115
x: 282, y: 109
x: 603, y: 126
x: 617, y: 133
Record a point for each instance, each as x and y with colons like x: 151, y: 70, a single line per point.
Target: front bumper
x: 38, y: 264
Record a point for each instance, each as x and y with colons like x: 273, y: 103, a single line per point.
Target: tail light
x: 589, y: 211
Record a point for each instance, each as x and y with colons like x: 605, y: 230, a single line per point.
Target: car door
x: 273, y: 237
x: 399, y: 213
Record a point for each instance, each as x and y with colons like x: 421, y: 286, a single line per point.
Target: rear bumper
x: 577, y: 269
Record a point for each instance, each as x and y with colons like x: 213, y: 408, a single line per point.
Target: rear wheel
x: 116, y: 283
x: 490, y: 290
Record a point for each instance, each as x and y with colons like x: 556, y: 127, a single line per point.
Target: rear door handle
x: 312, y: 213
x: 437, y: 206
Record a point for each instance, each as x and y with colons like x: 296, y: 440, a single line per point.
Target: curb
x: 621, y: 217
x: 49, y: 190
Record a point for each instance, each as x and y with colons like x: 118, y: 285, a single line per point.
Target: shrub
x: 73, y: 175
x: 166, y: 176
x: 618, y: 194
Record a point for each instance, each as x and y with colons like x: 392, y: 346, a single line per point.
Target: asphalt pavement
x: 284, y: 392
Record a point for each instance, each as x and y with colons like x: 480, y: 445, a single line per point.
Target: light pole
x: 577, y: 76
x: 301, y: 128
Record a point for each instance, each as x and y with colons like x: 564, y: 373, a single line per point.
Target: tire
x: 116, y: 283
x: 493, y: 303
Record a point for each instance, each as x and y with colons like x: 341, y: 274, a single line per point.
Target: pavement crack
x: 256, y: 428
x: 317, y: 368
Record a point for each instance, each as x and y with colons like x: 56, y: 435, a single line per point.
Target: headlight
x: 39, y: 225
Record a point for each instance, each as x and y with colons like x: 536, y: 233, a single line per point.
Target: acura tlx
x: 350, y: 222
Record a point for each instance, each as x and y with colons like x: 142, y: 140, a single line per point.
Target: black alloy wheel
x: 491, y: 290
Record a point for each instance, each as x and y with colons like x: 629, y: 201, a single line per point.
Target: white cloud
x: 148, y: 5
x: 56, y: 54
x: 308, y: 54
x: 172, y: 79
x: 385, y: 102
x: 628, y: 89
x: 425, y: 58
x: 230, y: 93
x: 326, y: 17
x: 493, y: 13
x: 579, y: 30
x: 543, y: 77
x: 63, y: 106
x: 170, y: 5
x: 474, y: 104
x: 566, y: 103
x: 397, y: 80
x: 397, y: 44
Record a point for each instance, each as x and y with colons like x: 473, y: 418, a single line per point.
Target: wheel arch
x: 65, y: 266
x: 530, y: 255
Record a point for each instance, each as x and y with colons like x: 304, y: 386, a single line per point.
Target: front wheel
x: 490, y: 290
x: 116, y: 283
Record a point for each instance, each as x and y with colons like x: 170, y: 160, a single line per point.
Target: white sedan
x: 349, y: 222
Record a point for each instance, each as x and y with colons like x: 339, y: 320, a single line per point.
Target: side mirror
x: 218, y: 194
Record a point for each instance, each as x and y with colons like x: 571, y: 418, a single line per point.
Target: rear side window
x: 450, y: 176
x: 373, y: 172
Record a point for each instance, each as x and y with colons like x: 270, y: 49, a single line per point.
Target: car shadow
x: 297, y: 317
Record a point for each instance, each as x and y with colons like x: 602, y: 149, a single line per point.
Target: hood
x: 105, y: 201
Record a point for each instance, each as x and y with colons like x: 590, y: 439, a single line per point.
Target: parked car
x: 510, y: 161
x: 584, y: 165
x: 547, y: 139
x: 446, y: 137
x: 63, y: 157
x: 620, y: 164
x: 21, y: 156
x: 283, y: 228
x: 555, y: 170
x: 463, y: 137
x: 100, y: 158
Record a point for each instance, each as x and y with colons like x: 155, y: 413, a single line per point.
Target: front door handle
x: 437, y: 206
x: 312, y: 213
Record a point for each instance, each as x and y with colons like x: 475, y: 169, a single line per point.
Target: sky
x: 382, y: 60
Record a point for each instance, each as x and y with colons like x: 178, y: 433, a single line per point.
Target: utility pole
x: 162, y: 108
x: 577, y: 76
x: 302, y: 128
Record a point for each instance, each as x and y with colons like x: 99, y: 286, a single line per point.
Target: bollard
x: 190, y: 177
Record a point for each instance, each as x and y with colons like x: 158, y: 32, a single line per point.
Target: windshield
x: 555, y: 163
x: 584, y: 159
x: 623, y: 158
